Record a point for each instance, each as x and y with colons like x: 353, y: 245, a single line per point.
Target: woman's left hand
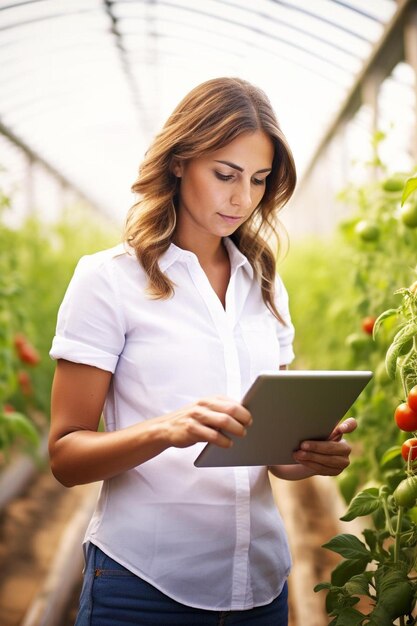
x: 327, y: 458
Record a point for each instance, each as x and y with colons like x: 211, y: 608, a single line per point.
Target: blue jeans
x: 112, y: 596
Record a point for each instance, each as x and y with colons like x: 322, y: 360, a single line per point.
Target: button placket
x: 224, y: 321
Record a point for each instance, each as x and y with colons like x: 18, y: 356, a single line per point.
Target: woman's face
x: 219, y: 191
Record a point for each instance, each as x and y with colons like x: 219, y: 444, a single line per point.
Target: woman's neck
x: 209, y: 250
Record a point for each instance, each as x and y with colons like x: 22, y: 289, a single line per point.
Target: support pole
x: 410, y: 50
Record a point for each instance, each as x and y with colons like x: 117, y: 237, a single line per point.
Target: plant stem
x: 398, y: 535
x: 397, y: 546
x: 388, y: 518
x: 402, y: 375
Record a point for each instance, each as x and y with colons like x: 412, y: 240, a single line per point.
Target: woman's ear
x: 176, y: 167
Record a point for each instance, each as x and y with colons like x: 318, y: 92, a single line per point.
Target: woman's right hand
x: 209, y: 419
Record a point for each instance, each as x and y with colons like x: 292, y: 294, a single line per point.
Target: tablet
x: 288, y: 407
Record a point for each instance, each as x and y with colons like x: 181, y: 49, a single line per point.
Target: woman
x: 167, y: 332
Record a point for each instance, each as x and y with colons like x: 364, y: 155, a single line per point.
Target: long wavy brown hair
x: 207, y: 119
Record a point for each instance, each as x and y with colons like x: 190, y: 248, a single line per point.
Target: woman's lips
x: 230, y: 219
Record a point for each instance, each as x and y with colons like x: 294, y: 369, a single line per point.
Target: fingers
x: 343, y: 428
x: 213, y: 419
x: 324, y: 457
x: 199, y: 432
x: 224, y: 411
x: 218, y: 420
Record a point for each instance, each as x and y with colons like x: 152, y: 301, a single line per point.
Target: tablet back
x: 288, y: 407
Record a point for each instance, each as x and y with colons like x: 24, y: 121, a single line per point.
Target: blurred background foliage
x: 37, y: 261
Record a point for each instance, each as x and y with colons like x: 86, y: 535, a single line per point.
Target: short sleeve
x: 90, y: 328
x: 285, y: 332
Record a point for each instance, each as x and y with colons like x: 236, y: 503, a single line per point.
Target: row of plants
x: 36, y: 264
x: 357, y: 308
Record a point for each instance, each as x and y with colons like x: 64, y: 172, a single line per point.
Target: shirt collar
x: 237, y: 259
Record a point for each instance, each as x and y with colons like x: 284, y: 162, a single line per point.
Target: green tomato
x: 358, y: 341
x: 406, y: 524
x: 412, y: 514
x: 367, y: 230
x: 348, y: 483
x: 408, y: 214
x: 406, y: 492
x: 393, y: 184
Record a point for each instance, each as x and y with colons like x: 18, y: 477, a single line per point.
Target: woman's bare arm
x: 79, y: 454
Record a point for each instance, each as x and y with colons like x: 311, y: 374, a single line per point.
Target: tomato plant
x: 375, y: 584
x: 381, y: 567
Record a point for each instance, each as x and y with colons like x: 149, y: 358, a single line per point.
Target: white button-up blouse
x: 208, y: 537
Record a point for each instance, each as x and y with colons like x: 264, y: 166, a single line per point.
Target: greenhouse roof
x: 85, y: 84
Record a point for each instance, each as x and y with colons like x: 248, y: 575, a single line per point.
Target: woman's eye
x: 258, y: 181
x: 223, y: 176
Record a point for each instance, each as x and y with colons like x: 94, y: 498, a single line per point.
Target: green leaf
x: 358, y: 585
x: 364, y: 503
x: 334, y: 601
x: 380, y: 617
x: 409, y: 188
x: 385, y: 315
x: 322, y: 586
x: 348, y: 546
x: 337, y: 600
x: 343, y: 572
x: 370, y: 538
x: 400, y: 340
x: 349, y: 617
x: 378, y: 518
x: 20, y: 426
x: 389, y: 455
x: 394, y: 592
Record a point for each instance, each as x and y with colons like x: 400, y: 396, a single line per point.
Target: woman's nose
x: 242, y: 196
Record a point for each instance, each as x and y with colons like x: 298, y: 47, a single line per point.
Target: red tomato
x: 368, y: 324
x: 405, y: 418
x: 410, y: 444
x: 28, y: 354
x: 19, y: 340
x: 412, y: 399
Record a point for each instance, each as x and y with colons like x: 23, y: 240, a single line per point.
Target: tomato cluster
x: 406, y: 418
